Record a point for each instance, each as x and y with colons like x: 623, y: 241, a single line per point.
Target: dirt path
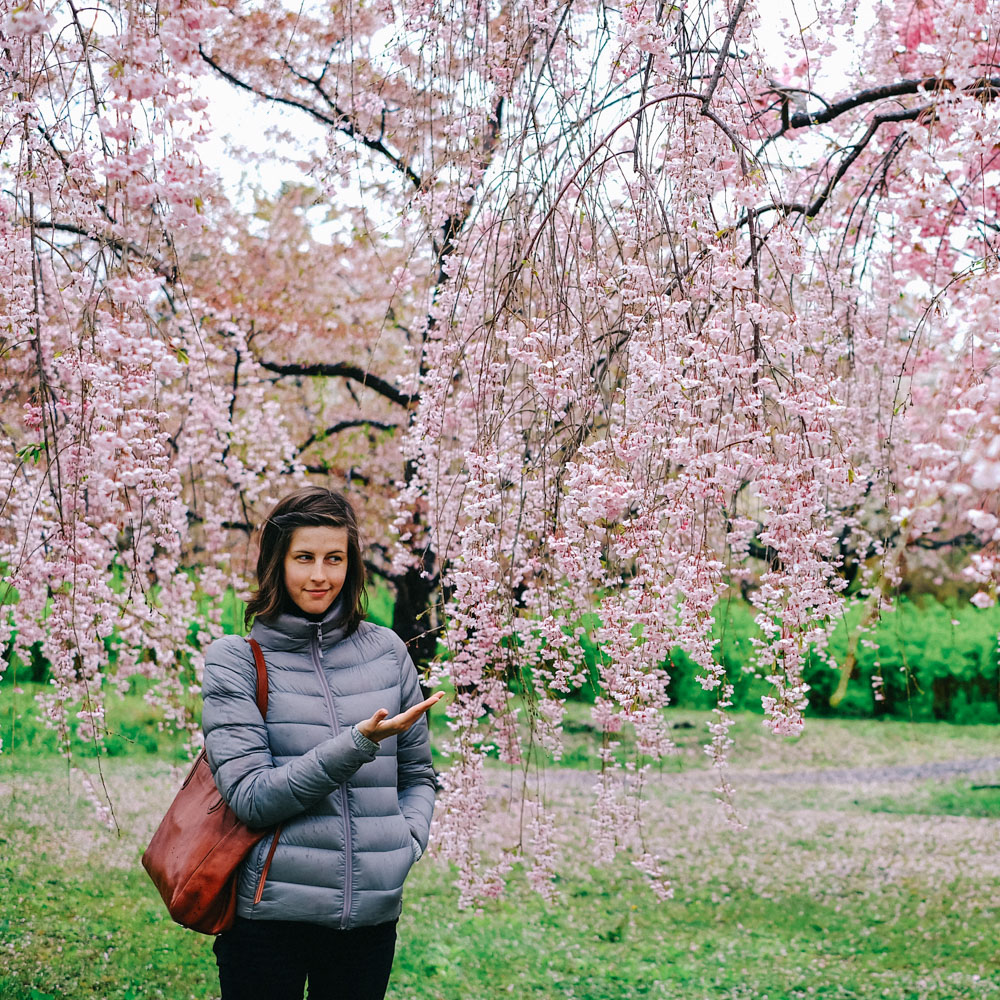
x: 987, y: 767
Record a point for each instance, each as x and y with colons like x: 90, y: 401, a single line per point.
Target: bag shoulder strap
x: 258, y: 658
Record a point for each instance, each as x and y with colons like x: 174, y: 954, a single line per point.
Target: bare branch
x: 344, y: 425
x: 338, y: 119
x: 342, y: 370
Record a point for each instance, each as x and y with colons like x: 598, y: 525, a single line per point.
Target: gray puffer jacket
x: 349, y: 818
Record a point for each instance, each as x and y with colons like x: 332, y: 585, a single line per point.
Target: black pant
x: 271, y: 960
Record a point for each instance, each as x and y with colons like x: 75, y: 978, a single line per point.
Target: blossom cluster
x: 677, y: 355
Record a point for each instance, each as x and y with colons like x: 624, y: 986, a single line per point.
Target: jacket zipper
x: 344, y: 801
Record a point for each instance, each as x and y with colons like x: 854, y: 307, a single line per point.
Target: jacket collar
x: 292, y: 631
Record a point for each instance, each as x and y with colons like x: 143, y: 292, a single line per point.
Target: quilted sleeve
x: 260, y: 792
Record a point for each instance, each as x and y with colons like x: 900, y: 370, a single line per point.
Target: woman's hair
x: 307, y: 507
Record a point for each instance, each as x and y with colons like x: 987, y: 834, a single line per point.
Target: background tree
x: 618, y: 310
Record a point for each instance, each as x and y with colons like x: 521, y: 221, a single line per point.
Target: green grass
x: 132, y: 725
x: 608, y: 941
x: 932, y: 798
x: 833, y: 890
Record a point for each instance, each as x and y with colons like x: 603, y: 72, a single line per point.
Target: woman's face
x: 316, y: 567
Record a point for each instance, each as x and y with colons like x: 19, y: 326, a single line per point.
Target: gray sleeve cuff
x: 362, y: 742
x: 417, y: 849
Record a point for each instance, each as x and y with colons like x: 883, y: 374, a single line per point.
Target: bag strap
x: 258, y: 658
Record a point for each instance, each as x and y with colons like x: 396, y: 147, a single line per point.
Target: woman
x: 342, y: 762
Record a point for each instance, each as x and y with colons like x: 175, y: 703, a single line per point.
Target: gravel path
x: 885, y: 773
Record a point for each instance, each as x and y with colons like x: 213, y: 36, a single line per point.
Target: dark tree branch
x: 969, y: 538
x: 857, y: 148
x: 233, y: 393
x: 454, y: 223
x: 344, y: 425
x: 352, y: 475
x: 245, y: 526
x: 341, y: 370
x: 338, y: 119
x: 169, y: 271
x: 706, y: 100
x: 987, y: 87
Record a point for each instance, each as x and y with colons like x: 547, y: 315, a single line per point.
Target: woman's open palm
x: 380, y: 726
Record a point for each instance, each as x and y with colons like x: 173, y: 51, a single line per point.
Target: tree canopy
x: 613, y: 310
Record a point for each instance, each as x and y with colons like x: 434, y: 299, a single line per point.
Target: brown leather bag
x: 195, y: 854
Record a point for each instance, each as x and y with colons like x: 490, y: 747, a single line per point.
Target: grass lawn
x: 843, y: 884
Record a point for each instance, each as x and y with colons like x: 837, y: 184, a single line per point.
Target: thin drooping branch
x: 723, y: 56
x: 454, y: 224
x: 121, y: 246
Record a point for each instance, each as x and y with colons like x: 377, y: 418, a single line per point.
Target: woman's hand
x: 380, y: 727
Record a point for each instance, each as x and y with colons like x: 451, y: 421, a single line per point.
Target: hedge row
x: 928, y: 659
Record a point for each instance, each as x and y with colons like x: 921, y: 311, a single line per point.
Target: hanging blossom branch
x: 604, y: 478
x: 109, y: 390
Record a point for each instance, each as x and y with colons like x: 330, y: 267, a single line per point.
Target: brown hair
x: 313, y: 505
